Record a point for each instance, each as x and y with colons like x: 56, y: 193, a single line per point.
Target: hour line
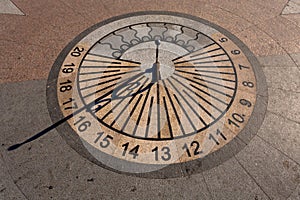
x: 191, y: 107
x: 174, y: 109
x: 220, y: 92
x: 213, y: 77
x: 149, y: 117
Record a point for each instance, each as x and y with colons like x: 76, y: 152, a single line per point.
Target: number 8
x: 248, y: 84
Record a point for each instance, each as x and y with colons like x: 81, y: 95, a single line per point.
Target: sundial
x: 144, y: 93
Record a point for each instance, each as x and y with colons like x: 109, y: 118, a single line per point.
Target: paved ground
x: 32, y: 34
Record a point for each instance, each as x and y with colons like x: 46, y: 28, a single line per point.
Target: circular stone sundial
x: 150, y: 92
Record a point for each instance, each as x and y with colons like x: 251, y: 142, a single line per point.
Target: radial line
x: 102, y: 89
x: 117, y: 66
x: 174, y: 109
x: 149, y: 117
x: 107, y: 76
x: 227, y: 95
x: 125, y: 80
x: 168, y: 118
x: 101, y: 83
x: 215, y: 61
x: 199, y: 54
x: 100, y: 107
x: 141, y: 112
x: 213, y: 77
x: 200, y: 79
x: 194, y: 52
x: 194, y: 66
x: 131, y: 99
x: 221, y: 101
x: 206, y: 81
x: 199, y: 96
x: 191, y: 107
x: 102, y: 61
x: 202, y: 58
x: 132, y: 111
x: 199, y: 105
x: 99, y: 72
x: 158, y: 111
x: 215, y: 72
x: 212, y: 56
x: 114, y: 58
x: 184, y: 111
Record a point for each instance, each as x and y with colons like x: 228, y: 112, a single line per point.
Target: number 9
x: 245, y: 102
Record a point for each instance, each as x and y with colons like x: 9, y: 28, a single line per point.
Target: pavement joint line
x: 298, y: 66
x: 278, y: 43
x: 242, y: 16
x: 242, y: 140
x: 207, y: 187
x: 270, y: 87
x: 252, y: 177
x: 288, y: 198
x: 256, y: 25
x: 271, y: 145
x: 283, y: 116
x: 290, y: 19
x: 12, y: 179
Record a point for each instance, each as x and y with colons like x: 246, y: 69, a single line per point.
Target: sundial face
x: 152, y: 91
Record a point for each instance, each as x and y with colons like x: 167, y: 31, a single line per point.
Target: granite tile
x: 8, y: 189
x: 25, y: 62
x: 277, y: 61
x: 223, y: 18
x: 296, y: 58
x: 291, y: 47
x: 92, y: 11
x: 284, y: 78
x: 285, y: 103
x: 259, y: 42
x: 277, y: 5
x: 296, y: 194
x: 52, y: 28
x: 295, y: 18
x: 282, y: 134
x: 280, y: 29
x: 192, y: 187
x: 249, y: 10
x: 201, y: 9
x: 274, y: 172
x: 230, y: 181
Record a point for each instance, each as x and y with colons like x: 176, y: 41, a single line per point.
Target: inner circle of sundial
x: 151, y: 91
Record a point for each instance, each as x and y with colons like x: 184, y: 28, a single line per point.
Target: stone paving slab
x: 265, y: 167
x: 282, y: 134
x: 269, y: 166
x: 223, y: 185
